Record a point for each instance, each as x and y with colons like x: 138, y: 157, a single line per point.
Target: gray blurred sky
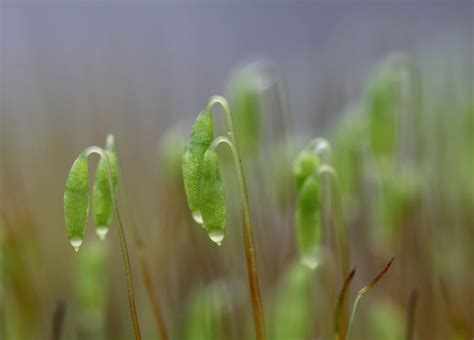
x: 73, y: 71
x: 175, y: 54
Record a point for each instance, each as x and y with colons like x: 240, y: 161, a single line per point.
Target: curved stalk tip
x: 365, y: 290
x: 123, y: 242
x: 249, y: 244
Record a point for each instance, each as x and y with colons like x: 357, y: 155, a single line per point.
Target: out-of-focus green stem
x: 354, y: 309
x: 144, y: 265
x: 340, y: 230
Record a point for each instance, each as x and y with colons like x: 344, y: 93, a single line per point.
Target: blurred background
x: 72, y: 72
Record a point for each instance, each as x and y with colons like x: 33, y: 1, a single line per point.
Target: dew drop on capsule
x: 217, y: 237
x: 310, y: 261
x: 102, y: 231
x: 315, y: 258
x: 197, y: 216
x: 75, y: 242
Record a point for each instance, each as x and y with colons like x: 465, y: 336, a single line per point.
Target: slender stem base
x: 249, y: 245
x: 128, y: 274
x: 353, y: 312
x: 123, y: 241
x: 144, y: 266
x: 152, y: 296
x: 253, y: 284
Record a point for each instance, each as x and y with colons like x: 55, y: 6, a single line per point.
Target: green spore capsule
x: 76, y: 201
x: 212, y: 197
x: 304, y: 165
x: 246, y: 108
x: 101, y: 194
x: 381, y: 108
x: 201, y: 138
x: 308, y: 221
x: 291, y: 317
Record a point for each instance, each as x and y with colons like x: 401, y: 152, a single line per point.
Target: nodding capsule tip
x: 102, y: 232
x: 75, y: 242
x: 217, y: 237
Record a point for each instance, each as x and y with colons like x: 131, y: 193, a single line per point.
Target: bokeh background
x: 71, y: 72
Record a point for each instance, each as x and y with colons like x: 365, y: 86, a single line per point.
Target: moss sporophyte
x: 108, y: 187
x: 206, y: 194
x: 309, y: 167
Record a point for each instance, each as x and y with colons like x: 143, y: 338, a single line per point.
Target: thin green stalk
x: 363, y: 291
x: 144, y: 265
x: 249, y: 244
x: 341, y: 234
x: 411, y: 309
x: 354, y: 309
x: 123, y: 241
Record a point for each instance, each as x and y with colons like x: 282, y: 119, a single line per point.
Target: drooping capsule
x: 90, y: 285
x: 212, y: 197
x: 304, y: 165
x: 201, y: 138
x: 291, y: 311
x: 247, y: 111
x: 308, y: 220
x: 101, y: 194
x: 382, y: 97
x: 76, y: 201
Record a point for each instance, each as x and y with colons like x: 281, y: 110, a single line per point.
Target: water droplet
x: 323, y: 150
x: 310, y: 261
x: 217, y: 237
x: 110, y: 139
x: 102, y: 231
x: 75, y: 242
x: 197, y: 217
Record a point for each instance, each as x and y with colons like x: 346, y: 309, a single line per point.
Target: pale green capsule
x: 76, y: 201
x: 101, y: 194
x: 308, y: 220
x: 212, y: 197
x: 304, y: 165
x: 291, y: 313
x: 171, y: 148
x: 204, y: 312
x: 201, y: 137
x: 381, y: 106
x: 89, y: 283
x: 247, y: 111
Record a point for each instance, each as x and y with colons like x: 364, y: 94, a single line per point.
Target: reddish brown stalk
x: 363, y: 291
x: 457, y: 321
x: 253, y: 283
x: 249, y: 245
x: 144, y: 266
x: 410, y: 325
x: 340, y: 317
x: 58, y: 318
x: 378, y: 277
x: 153, y: 297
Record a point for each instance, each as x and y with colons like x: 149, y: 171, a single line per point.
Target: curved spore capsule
x: 308, y: 221
x: 101, y: 194
x: 201, y: 138
x: 304, y: 165
x: 212, y: 197
x: 76, y: 201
